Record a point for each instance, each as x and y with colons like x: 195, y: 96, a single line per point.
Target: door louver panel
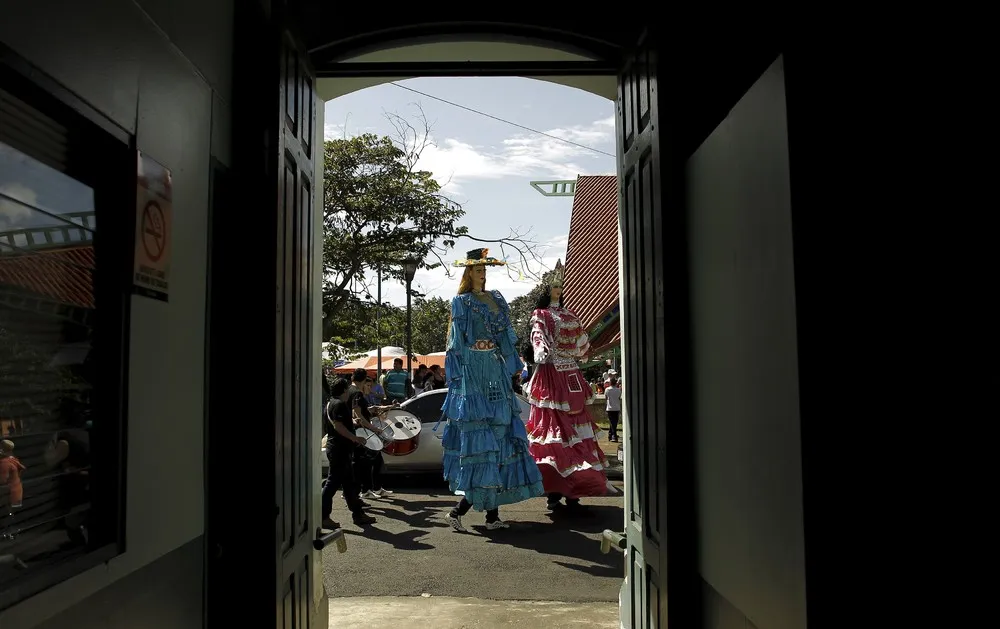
x: 32, y: 132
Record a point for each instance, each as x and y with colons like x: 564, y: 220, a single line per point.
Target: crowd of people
x: 491, y: 457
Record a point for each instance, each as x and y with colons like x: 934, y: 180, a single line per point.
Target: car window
x: 426, y: 407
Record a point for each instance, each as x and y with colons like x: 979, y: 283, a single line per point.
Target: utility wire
x: 498, y: 119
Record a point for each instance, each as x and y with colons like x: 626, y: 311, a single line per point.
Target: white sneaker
x: 369, y: 494
x: 497, y: 524
x: 384, y: 493
x: 456, y: 523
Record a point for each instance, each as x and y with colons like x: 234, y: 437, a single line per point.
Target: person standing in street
x: 397, y: 383
x: 613, y: 398
x: 340, y: 445
x: 367, y: 463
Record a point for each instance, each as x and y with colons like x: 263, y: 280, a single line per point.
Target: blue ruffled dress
x: 486, y: 455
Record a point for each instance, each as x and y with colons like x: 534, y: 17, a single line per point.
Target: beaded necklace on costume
x: 487, y: 299
x: 491, y: 313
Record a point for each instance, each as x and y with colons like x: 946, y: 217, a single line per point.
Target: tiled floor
x: 461, y: 613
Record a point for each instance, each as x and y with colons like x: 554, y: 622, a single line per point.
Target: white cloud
x: 523, y: 155
x: 528, y: 155
x: 13, y: 213
x: 339, y: 131
x: 332, y: 131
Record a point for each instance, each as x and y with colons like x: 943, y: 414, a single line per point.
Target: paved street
x: 411, y: 551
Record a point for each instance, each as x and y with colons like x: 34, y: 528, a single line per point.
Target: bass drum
x: 373, y: 440
x: 405, y: 429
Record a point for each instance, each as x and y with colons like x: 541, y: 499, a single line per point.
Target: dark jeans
x: 613, y: 423
x: 464, y: 505
x: 341, y: 476
x: 368, y: 469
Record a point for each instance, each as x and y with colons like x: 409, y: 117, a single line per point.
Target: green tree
x: 430, y: 324
x: 379, y: 209
x: 361, y: 325
x: 522, y: 307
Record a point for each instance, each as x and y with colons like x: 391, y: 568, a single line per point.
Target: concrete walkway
x: 467, y: 613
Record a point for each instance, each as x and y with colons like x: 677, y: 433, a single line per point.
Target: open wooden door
x: 655, y: 365
x: 261, y: 341
x: 297, y: 483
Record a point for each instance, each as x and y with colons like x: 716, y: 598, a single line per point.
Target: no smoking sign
x: 153, y: 225
x: 154, y: 234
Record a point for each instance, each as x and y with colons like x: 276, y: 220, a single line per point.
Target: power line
x: 498, y: 119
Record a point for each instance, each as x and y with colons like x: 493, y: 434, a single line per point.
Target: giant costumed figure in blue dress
x: 486, y: 457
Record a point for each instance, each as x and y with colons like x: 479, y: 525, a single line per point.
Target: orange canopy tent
x: 370, y: 363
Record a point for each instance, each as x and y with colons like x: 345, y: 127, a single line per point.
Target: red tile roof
x: 63, y: 275
x: 592, y: 251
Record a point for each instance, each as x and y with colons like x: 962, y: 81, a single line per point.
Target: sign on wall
x: 153, y: 221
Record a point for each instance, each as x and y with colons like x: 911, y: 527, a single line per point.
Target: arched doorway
x: 324, y: 58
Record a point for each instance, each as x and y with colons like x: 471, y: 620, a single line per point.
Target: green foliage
x: 378, y: 210
x: 430, y: 324
x: 522, y: 307
x: 362, y: 326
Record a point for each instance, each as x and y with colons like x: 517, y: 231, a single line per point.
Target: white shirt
x: 614, y: 397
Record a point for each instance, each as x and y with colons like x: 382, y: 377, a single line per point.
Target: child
x: 10, y: 472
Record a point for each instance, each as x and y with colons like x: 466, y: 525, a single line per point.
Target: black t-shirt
x: 338, y: 411
x: 357, y: 398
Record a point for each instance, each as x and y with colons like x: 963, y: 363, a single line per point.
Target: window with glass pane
x: 47, y: 372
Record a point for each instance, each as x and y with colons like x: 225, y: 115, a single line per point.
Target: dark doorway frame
x: 716, y: 80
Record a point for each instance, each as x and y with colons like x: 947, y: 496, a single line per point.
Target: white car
x: 427, y: 455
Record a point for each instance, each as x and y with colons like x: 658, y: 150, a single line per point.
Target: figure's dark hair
x: 339, y: 387
x: 528, y: 353
x: 360, y: 375
x: 545, y: 299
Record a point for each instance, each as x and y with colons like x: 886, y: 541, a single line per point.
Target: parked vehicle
x: 427, y: 456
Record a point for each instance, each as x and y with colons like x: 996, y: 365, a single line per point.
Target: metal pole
x: 378, y: 327
x: 409, y: 333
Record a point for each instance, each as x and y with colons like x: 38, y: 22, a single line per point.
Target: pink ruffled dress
x: 562, y: 435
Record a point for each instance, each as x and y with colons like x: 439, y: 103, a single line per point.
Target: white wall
x: 405, y: 50
x: 752, y: 546
x: 161, y: 70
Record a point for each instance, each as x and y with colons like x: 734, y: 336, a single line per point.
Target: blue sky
x: 487, y: 164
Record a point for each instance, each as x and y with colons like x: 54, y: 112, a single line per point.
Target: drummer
x: 340, y: 447
x: 367, y: 464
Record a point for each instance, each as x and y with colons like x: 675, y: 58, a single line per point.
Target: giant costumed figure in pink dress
x: 561, y: 432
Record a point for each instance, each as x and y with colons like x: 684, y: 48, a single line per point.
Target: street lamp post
x: 378, y: 327
x: 409, y: 271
